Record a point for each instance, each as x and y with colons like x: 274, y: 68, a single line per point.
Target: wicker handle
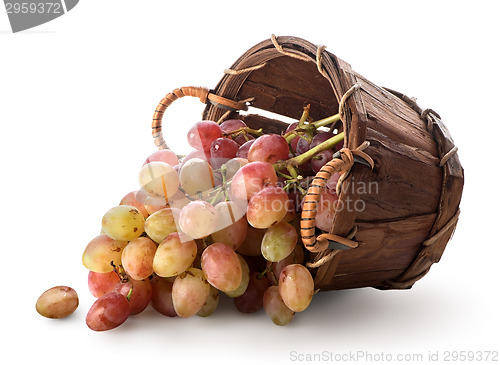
x: 200, y: 92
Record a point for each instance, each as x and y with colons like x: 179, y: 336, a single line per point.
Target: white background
x: 76, y: 100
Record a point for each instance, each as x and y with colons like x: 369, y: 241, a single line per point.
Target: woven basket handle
x: 202, y: 93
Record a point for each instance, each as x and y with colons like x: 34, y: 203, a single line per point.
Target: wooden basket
x: 411, y: 210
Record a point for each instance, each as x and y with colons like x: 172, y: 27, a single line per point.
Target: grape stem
x: 245, y: 130
x: 304, y: 128
x: 306, y: 156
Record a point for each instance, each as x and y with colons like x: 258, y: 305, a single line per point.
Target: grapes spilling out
x: 221, y: 221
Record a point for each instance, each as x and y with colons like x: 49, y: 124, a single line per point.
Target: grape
x: 232, y: 125
x: 140, y: 296
x: 293, y: 142
x: 153, y: 205
x: 243, y: 138
x: 221, y: 267
x: 269, y: 148
x: 244, y: 148
x: 190, y: 292
x: 231, y: 224
x: 123, y: 223
x: 161, y: 298
x: 174, y: 255
x: 303, y: 144
x: 210, y: 304
x: 137, y: 258
x: 251, y: 178
x: 275, y: 308
x: 198, y: 219
x: 252, y: 299
x: 101, y: 251
x: 252, y: 242
x: 167, y: 156
x: 320, y: 138
x: 159, y: 179
x: 202, y: 155
x: 274, y: 268
x: 267, y: 207
x: 136, y: 199
x: 196, y: 176
x: 202, y: 134
x: 162, y: 223
x: 296, y: 287
x: 321, y: 159
x: 222, y: 150
x: 327, y: 206
x: 331, y: 184
x: 108, y: 312
x: 233, y: 165
x: 290, y: 211
x: 57, y: 302
x: 102, y: 283
x: 279, y: 241
x: 245, y: 278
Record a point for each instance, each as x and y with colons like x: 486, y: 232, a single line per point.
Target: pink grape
x: 231, y: 224
x: 142, y: 292
x: 202, y: 134
x: 221, y: 266
x: 136, y: 199
x: 320, y: 138
x: 296, y: 287
x: 161, y: 298
x: 166, y: 156
x: 202, y: 155
x: 190, y: 292
x: 331, y: 184
x: 102, y: 283
x: 275, y: 308
x: 101, y: 251
x: 232, y: 125
x: 321, y: 159
x: 268, y: 148
x: 222, y: 150
x: 267, y: 207
x: 198, y: 219
x: 137, y: 258
x: 274, y: 268
x: 327, y: 206
x: 244, y: 148
x: 252, y: 299
x: 57, y: 302
x: 243, y: 138
x: 108, y: 312
x: 251, y: 178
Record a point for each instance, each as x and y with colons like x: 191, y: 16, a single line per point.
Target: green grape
x: 123, y: 223
x: 279, y: 241
x: 296, y: 287
x: 137, y: 258
x: 162, y: 223
x: 174, y: 255
x: 210, y: 304
x: 245, y: 278
x: 275, y: 308
x: 190, y: 292
x: 101, y: 251
x: 159, y: 179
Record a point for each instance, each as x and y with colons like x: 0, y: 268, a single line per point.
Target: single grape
x: 210, y: 304
x: 250, y: 179
x: 231, y: 125
x: 233, y: 165
x: 244, y: 148
x: 269, y: 148
x: 202, y: 134
x: 320, y: 138
x: 196, y: 176
x: 101, y: 251
x: 159, y: 179
x: 252, y: 299
x: 167, y: 156
x: 231, y: 224
x: 252, y: 242
x: 275, y: 308
x: 102, y: 283
x: 321, y: 159
x: 136, y: 199
x: 327, y: 206
x: 245, y: 278
x: 303, y: 144
x: 221, y: 267
x: 108, y: 312
x: 296, y: 287
x: 137, y: 258
x: 243, y: 138
x: 267, y: 207
x: 190, y: 292
x: 161, y: 298
x: 202, y: 155
x: 153, y: 205
x: 331, y: 184
x: 222, y: 150
x: 198, y: 219
x: 57, y: 302
x: 140, y: 296
x: 279, y: 241
x: 174, y: 255
x: 123, y: 223
x: 293, y: 142
x: 274, y: 268
x: 162, y: 223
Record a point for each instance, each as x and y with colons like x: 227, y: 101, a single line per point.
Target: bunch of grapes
x: 222, y: 220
